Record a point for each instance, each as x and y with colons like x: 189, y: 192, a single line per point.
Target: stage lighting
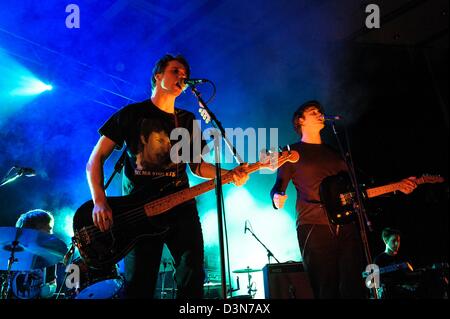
x: 30, y: 86
x: 63, y: 223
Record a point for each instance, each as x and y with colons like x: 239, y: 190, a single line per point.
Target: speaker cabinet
x: 286, y: 281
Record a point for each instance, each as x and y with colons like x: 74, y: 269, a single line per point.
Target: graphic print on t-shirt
x: 153, y: 157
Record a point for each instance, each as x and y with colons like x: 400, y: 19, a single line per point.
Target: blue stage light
x: 30, y: 86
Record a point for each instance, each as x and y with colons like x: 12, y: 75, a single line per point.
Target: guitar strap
x: 176, y: 126
x: 117, y: 167
x: 312, y: 201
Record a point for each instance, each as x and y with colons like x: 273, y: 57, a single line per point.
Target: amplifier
x: 286, y: 281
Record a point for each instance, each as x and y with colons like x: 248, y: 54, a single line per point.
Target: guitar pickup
x: 347, y: 213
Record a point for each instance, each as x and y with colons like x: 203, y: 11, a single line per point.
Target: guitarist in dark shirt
x: 145, y: 128
x: 332, y: 254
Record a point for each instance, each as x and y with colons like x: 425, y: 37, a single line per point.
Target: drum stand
x: 164, y: 294
x: 163, y: 280
x: 66, y: 261
x: 251, y: 291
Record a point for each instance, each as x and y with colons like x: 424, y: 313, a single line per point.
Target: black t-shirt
x: 146, y: 131
x: 383, y: 260
x: 317, y: 161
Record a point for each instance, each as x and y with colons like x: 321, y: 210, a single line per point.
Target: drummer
x: 38, y: 283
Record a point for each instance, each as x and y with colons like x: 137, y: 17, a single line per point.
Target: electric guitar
x: 339, y: 198
x: 389, y: 269
x: 135, y: 218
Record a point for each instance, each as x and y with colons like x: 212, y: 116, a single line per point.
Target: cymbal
x: 245, y: 270
x: 35, y: 249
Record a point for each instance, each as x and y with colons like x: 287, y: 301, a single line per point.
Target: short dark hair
x: 34, y: 218
x: 148, y: 126
x: 299, y: 113
x: 388, y: 232
x: 162, y: 63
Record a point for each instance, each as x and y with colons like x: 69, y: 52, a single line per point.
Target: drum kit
x: 25, y: 254
x: 213, y: 286
x: 251, y: 287
x: 104, y: 283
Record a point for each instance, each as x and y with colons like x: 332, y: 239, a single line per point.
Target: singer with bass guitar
x: 332, y: 254
x: 151, y: 168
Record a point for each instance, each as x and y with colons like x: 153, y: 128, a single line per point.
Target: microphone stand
x: 358, y: 205
x: 6, y: 285
x: 269, y: 253
x: 7, y: 180
x: 219, y: 195
x: 67, y: 260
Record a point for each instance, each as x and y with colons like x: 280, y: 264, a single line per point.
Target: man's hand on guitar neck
x: 240, y: 175
x: 102, y: 215
x: 407, y: 185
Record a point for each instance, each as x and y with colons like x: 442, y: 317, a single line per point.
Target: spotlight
x: 30, y: 86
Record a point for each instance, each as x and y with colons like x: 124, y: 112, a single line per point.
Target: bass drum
x: 27, y: 284
x: 104, y: 283
x: 105, y: 289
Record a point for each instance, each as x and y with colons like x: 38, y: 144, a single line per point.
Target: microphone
x: 27, y: 171
x: 245, y: 229
x: 192, y: 82
x: 332, y: 117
